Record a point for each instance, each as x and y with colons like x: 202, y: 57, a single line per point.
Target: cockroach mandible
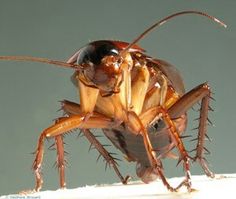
x: 138, y: 101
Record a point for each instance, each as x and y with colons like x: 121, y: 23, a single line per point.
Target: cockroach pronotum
x: 138, y: 101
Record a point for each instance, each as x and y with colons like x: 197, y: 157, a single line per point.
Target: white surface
x: 221, y: 186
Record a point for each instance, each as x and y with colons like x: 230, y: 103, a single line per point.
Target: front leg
x: 136, y: 125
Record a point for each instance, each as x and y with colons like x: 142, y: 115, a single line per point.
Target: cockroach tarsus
x: 138, y: 101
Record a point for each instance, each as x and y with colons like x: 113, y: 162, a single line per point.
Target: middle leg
x: 62, y: 126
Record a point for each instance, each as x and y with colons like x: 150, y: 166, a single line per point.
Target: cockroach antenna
x: 41, y: 60
x: 164, y: 20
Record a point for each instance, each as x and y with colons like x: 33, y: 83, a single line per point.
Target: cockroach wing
x: 172, y: 74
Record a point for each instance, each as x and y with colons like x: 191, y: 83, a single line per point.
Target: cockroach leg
x: 175, y: 136
x: 107, y: 156
x: 37, y: 165
x: 156, y: 163
x: 202, y: 134
x: 62, y: 126
x: 71, y: 108
x: 201, y: 92
x: 60, y: 159
x: 180, y: 146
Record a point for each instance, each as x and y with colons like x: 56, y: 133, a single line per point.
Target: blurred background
x: 30, y: 92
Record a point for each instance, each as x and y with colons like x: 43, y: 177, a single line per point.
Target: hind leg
x: 200, y: 93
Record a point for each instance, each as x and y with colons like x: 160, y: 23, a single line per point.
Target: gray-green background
x: 30, y: 92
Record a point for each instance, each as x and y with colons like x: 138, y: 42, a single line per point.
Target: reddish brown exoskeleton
x: 138, y: 101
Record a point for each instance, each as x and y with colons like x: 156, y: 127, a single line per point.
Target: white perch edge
x: 223, y: 185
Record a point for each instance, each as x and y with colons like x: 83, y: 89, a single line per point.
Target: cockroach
x: 138, y: 102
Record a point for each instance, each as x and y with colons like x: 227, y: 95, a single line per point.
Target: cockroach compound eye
x: 138, y: 102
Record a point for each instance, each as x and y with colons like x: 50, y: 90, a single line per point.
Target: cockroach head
x: 100, y: 66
